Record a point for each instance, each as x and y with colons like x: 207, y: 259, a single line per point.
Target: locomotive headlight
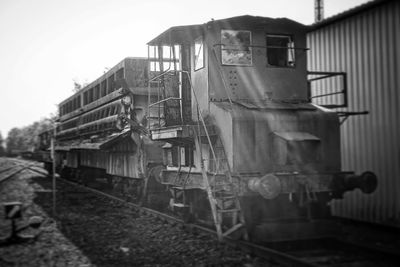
x: 268, y: 186
x: 126, y: 100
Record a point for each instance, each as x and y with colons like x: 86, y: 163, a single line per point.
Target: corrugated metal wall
x: 366, y: 46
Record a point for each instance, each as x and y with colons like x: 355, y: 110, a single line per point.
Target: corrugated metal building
x: 364, y: 42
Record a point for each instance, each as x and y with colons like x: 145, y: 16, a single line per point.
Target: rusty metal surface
x: 246, y: 135
x: 366, y: 46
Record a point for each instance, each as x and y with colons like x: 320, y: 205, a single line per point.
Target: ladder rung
x: 222, y: 188
x: 233, y: 229
x: 178, y: 187
x: 225, y: 185
x: 180, y: 205
x: 217, y: 191
x: 227, y: 197
x: 230, y: 210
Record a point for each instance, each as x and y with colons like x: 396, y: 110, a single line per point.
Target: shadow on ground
x: 99, y: 229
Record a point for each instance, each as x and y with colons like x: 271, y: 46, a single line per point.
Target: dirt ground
x: 49, y: 247
x: 91, y: 231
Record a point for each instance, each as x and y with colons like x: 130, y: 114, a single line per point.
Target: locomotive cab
x: 256, y: 59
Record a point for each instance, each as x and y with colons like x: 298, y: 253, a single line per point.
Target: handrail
x: 238, y: 222
x: 164, y: 100
x: 199, y: 111
x: 158, y: 76
x: 263, y: 46
x: 160, y: 101
x: 202, y: 119
x: 321, y: 75
x: 334, y: 93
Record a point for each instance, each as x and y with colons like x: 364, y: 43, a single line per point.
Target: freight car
x: 101, y: 133
x: 218, y: 122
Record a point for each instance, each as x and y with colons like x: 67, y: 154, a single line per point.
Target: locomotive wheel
x: 199, y: 208
x: 186, y: 212
x: 109, y: 179
x: 155, y: 194
x: 78, y: 176
x: 65, y: 173
x: 117, y: 186
x: 48, y: 166
x: 127, y: 188
x: 83, y: 177
x: 252, y: 213
x: 132, y: 189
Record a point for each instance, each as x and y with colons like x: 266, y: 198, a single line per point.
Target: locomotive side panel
x: 265, y: 141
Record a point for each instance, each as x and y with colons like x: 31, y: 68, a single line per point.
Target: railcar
x: 217, y: 123
x: 43, y: 149
x: 101, y: 132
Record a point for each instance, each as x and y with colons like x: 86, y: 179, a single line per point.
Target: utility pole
x: 53, y: 156
x: 319, y: 10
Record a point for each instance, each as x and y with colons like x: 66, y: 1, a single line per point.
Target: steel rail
x: 6, y: 169
x: 13, y: 170
x: 37, y: 171
x: 9, y: 175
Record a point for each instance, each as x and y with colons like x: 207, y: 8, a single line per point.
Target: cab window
x: 198, y: 53
x: 280, y: 51
x: 236, y: 48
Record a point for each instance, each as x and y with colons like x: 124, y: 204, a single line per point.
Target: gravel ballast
x: 89, y: 230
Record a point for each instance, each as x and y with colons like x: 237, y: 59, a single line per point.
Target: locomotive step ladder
x: 178, y: 194
x: 178, y: 190
x: 179, y: 203
x: 178, y: 199
x: 223, y: 198
x: 220, y: 208
x: 227, y: 198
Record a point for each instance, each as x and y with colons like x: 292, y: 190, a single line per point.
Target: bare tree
x: 78, y: 85
x: 1, y: 145
x: 26, y: 138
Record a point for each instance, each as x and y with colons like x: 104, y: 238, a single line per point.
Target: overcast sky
x: 45, y: 44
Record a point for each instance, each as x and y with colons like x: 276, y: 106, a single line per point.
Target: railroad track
x: 11, y: 167
x: 308, y: 252
x: 7, y: 173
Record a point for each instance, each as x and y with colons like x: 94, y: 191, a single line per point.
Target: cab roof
x: 181, y: 34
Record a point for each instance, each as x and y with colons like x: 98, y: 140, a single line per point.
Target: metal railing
x: 329, y: 87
